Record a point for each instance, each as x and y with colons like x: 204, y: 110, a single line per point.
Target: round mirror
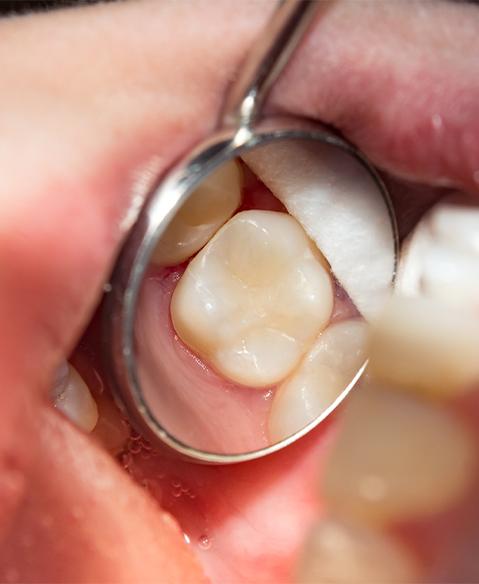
x: 252, y: 316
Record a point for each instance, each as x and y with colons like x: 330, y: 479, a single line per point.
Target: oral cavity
x: 405, y: 455
x: 252, y: 302
x: 256, y: 303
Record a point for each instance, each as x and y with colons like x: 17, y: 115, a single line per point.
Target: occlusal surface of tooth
x: 254, y: 299
x: 341, y: 209
x: 424, y: 346
x: 208, y: 207
x: 324, y: 373
x: 338, y: 552
x: 440, y: 259
x: 397, y: 458
x: 71, y: 396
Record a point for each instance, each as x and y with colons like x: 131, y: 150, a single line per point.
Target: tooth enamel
x: 341, y: 553
x: 458, y: 223
x: 440, y: 259
x: 207, y: 208
x: 340, y: 208
x: 72, y: 397
x: 424, y: 346
x: 396, y: 458
x: 254, y: 299
x: 322, y: 376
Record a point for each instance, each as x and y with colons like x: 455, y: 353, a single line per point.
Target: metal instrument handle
x: 268, y: 58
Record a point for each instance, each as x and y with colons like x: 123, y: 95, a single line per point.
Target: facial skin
x: 91, y: 98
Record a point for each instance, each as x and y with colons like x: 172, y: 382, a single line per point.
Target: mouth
x: 106, y: 494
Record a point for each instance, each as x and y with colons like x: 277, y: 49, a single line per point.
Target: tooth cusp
x: 254, y: 299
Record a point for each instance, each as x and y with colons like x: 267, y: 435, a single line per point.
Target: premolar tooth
x: 324, y: 373
x: 254, y: 299
x: 337, y: 552
x: 339, y: 206
x: 71, y: 396
x: 425, y: 346
x: 396, y: 458
x: 207, y: 209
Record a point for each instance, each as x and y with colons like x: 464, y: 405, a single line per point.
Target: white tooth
x: 451, y: 275
x: 341, y: 553
x: 71, y: 396
x: 325, y: 372
x: 440, y: 259
x: 424, y: 346
x: 340, y: 208
x: 208, y: 207
x: 396, y: 458
x: 457, y: 223
x: 254, y: 299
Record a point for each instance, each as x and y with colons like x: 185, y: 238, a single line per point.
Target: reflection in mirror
x: 252, y: 317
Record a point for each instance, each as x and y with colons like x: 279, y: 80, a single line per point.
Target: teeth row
x: 71, y: 396
x: 254, y: 299
x: 396, y: 458
x: 206, y: 210
x: 399, y: 457
x: 328, y: 368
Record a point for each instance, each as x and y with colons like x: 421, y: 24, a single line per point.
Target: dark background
x: 23, y: 6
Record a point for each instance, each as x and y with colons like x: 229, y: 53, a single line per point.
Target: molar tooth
x: 340, y: 208
x: 71, y: 396
x: 254, y: 299
x: 208, y: 207
x: 440, y: 259
x: 424, y: 346
x: 396, y: 458
x: 327, y: 369
x: 457, y: 223
x: 337, y: 552
x: 451, y: 276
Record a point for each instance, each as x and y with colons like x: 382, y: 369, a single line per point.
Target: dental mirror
x: 239, y: 308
